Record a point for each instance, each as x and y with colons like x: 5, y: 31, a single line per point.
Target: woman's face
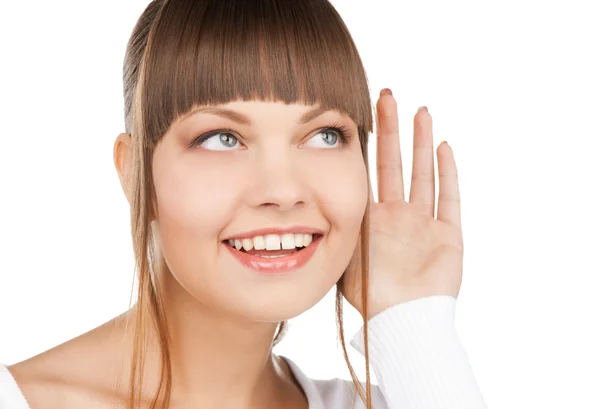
x: 262, y: 176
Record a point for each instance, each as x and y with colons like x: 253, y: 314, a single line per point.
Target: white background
x: 513, y: 86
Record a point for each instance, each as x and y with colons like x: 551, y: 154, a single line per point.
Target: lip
x: 279, y: 265
x: 275, y: 230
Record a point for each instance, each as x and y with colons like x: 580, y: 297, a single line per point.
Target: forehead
x: 250, y: 112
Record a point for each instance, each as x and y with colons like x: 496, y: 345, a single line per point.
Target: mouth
x: 273, y: 245
x: 274, y: 254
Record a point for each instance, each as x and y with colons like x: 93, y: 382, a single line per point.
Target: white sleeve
x: 418, y: 358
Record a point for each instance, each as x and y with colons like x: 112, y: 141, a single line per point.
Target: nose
x: 277, y: 181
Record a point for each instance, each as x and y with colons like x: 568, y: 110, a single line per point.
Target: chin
x: 285, y: 299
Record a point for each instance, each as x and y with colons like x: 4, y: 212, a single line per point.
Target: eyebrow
x: 244, y: 120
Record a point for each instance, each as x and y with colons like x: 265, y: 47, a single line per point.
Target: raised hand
x: 413, y: 252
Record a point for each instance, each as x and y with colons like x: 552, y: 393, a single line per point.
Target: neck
x: 218, y: 359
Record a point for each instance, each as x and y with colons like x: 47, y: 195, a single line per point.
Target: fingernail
x: 446, y: 142
x: 385, y: 91
x: 423, y: 108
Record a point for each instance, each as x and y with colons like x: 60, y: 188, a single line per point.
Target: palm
x: 412, y: 253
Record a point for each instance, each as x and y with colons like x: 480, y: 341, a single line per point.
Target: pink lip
x: 280, y: 231
x: 278, y: 265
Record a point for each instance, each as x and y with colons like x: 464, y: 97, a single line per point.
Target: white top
x: 414, y: 351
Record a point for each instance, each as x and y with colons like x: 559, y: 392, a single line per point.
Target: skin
x: 275, y: 181
x: 279, y: 174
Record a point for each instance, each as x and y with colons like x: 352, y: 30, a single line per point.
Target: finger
x: 449, y: 196
x: 422, y: 187
x: 389, y: 162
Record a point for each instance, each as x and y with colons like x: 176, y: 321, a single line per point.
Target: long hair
x: 185, y: 53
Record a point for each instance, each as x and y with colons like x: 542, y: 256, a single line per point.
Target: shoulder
x: 71, y: 375
x: 27, y: 385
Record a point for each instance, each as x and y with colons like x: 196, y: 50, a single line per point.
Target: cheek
x: 344, y: 190
x: 342, y: 198
x: 195, y: 200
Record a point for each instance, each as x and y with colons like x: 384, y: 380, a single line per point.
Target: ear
x: 122, y: 156
x: 123, y: 163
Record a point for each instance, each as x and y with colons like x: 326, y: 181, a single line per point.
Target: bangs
x: 213, y: 52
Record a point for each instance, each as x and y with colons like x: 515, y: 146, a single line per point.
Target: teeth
x: 238, y: 244
x: 273, y: 242
x: 248, y: 244
x: 288, y: 241
x: 259, y: 242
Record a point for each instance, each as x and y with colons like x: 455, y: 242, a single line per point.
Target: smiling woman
x: 273, y: 92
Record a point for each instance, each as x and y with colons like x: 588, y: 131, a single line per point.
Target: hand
x: 412, y: 253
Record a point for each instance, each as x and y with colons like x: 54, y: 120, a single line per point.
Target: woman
x: 245, y: 165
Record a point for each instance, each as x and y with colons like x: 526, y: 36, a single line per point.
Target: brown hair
x: 185, y: 53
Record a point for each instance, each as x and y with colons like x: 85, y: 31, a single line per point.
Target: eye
x: 327, y: 138
x: 220, y: 141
